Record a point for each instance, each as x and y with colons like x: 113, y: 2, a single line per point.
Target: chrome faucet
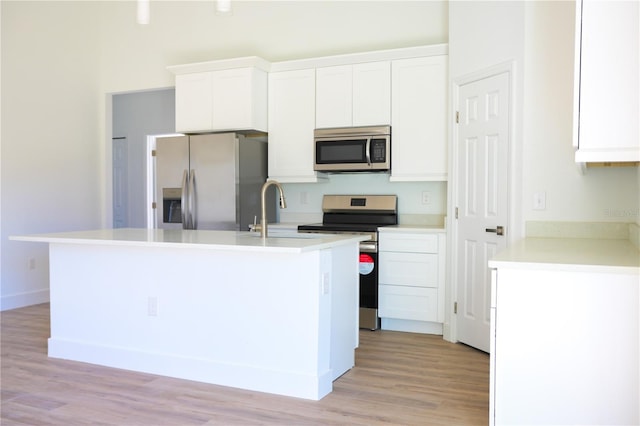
x: 283, y: 205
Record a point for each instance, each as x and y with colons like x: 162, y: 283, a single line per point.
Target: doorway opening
x: 135, y: 116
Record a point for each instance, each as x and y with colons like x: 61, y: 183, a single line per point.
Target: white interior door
x: 482, y: 200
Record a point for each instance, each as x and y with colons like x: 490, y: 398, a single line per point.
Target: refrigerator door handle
x: 193, y: 200
x: 184, y: 199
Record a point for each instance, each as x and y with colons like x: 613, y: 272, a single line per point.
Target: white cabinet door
x: 419, y: 119
x: 608, y: 91
x: 410, y: 243
x: 334, y: 100
x: 353, y: 95
x: 291, y: 123
x: 409, y: 269
x: 194, y: 102
x: 372, y: 94
x: 234, y: 99
x: 408, y: 303
x: 239, y: 99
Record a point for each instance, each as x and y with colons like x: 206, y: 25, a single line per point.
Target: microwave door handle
x: 184, y: 199
x: 368, y: 151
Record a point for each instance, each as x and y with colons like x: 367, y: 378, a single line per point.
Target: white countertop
x: 217, y: 240
x: 579, y: 254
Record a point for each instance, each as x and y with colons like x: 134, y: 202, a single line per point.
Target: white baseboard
x: 202, y: 369
x: 14, y: 301
x: 424, y: 327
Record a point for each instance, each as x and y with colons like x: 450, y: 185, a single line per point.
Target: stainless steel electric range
x: 360, y: 214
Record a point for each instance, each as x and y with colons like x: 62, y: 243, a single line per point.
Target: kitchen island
x: 275, y: 315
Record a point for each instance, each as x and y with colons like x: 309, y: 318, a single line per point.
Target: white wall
x: 62, y: 61
x: 50, y: 141
x: 483, y: 34
x: 598, y: 195
x: 538, y: 37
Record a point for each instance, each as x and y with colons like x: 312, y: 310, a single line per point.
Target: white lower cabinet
x: 411, y: 280
x: 409, y: 303
x: 564, y: 345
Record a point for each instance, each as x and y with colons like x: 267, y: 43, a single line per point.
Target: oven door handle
x: 367, y: 247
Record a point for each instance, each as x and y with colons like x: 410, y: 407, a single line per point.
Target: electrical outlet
x: 426, y: 197
x: 304, y: 197
x: 32, y: 263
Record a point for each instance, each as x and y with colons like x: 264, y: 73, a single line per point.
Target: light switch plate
x: 540, y: 201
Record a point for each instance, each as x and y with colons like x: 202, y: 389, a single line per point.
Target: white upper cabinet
x: 607, y: 90
x: 240, y: 99
x: 419, y: 103
x: 292, y: 104
x: 353, y: 95
x: 221, y: 99
x: 194, y: 102
x: 334, y: 99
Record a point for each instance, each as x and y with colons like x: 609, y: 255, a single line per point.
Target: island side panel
x: 344, y: 288
x: 257, y: 321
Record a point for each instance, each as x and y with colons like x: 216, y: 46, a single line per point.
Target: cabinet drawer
x: 409, y: 269
x: 413, y: 243
x: 408, y: 303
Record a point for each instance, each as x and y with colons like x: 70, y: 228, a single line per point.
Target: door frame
x: 514, y: 177
x: 150, y: 147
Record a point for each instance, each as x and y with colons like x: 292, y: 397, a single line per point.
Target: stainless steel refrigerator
x: 210, y: 181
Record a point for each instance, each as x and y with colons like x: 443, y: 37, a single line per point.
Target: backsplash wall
x: 304, y: 200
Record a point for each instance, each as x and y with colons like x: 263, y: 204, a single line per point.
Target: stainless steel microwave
x: 353, y: 149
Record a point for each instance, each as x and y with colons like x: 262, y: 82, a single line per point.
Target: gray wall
x: 135, y: 116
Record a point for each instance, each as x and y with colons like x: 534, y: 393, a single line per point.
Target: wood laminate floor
x: 399, y: 379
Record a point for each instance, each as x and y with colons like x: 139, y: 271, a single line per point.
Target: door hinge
x: 153, y: 152
x: 455, y: 307
x: 456, y: 213
x: 153, y: 205
x: 457, y: 117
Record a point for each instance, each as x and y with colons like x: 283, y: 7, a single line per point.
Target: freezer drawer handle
x: 499, y: 230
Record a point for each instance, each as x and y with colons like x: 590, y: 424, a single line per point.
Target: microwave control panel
x: 378, y: 151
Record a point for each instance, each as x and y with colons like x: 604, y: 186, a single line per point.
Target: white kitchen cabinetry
x: 229, y: 99
x: 565, y: 330
x: 353, y: 95
x: 411, y: 280
x: 291, y: 123
x: 419, y: 105
x: 607, y: 75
